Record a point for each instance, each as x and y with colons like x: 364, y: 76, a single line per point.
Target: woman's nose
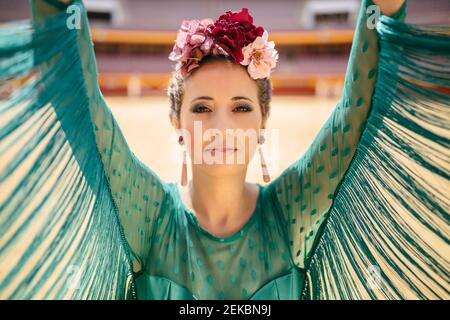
x: 222, y: 120
x: 224, y: 125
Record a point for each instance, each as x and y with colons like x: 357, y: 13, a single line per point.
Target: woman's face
x: 221, y: 116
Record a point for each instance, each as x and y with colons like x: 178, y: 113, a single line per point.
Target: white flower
x: 260, y: 56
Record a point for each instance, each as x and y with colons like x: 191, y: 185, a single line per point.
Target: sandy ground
x: 147, y: 128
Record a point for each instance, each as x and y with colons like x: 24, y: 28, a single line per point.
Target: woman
x: 216, y: 236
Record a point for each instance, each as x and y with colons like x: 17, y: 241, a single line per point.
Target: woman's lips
x: 221, y: 149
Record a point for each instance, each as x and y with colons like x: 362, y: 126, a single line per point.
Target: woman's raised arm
x: 136, y: 190
x: 305, y: 190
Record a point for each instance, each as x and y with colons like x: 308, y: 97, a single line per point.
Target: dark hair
x: 175, y: 89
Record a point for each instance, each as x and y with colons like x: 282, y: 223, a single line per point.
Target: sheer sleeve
x: 136, y: 190
x: 304, y: 192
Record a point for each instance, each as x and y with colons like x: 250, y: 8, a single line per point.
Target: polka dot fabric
x: 176, y: 258
x: 305, y: 190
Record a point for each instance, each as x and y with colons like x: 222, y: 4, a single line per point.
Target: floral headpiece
x: 233, y: 34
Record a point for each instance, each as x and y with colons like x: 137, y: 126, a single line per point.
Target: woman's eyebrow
x: 202, y: 98
x: 234, y: 98
x: 242, y: 98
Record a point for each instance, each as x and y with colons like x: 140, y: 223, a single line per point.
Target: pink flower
x: 233, y: 34
x: 260, y: 56
x: 192, y: 43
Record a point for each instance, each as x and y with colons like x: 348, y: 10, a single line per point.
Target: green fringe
x: 56, y: 211
x: 392, y: 208
x: 59, y: 215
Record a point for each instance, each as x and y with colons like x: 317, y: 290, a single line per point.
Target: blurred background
x: 133, y: 39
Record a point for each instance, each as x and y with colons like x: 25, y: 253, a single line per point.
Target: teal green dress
x: 116, y: 213
x: 267, y: 259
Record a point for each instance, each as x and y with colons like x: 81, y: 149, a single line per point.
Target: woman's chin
x: 223, y: 168
x: 223, y: 163
x: 228, y: 157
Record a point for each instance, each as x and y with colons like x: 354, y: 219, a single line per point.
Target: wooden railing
x: 281, y: 38
x: 282, y: 83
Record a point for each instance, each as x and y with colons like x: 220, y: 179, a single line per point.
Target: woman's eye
x: 200, y: 109
x: 243, y: 108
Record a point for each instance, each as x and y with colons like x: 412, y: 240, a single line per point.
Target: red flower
x: 234, y: 30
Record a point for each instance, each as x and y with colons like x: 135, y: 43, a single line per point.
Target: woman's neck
x: 223, y: 204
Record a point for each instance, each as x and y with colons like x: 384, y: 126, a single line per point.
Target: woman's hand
x: 389, y: 7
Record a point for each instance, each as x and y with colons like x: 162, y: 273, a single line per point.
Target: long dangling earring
x: 265, y: 171
x: 184, y: 166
